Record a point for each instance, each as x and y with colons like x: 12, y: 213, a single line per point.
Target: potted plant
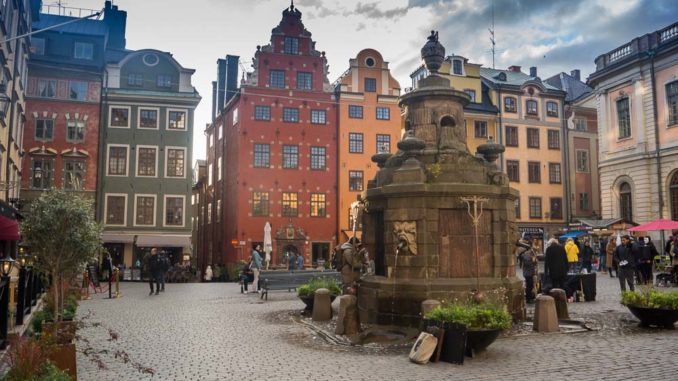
x: 483, y: 322
x: 652, y: 307
x: 27, y: 359
x: 306, y: 292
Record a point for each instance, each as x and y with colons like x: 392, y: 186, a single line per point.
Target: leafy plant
x: 479, y: 316
x: 312, y: 285
x: 651, y: 298
x: 28, y: 361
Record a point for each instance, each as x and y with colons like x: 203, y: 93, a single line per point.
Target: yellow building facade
x: 369, y: 122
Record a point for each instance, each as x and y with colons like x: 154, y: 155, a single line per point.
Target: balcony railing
x: 620, y: 53
x: 59, y: 10
x: 668, y: 33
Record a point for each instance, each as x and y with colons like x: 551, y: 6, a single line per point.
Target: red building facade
x: 272, y: 155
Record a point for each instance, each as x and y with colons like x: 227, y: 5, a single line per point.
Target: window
x: 517, y: 206
x: 531, y: 107
x: 290, y: 206
x: 318, y: 208
x: 176, y: 120
x: 510, y: 104
x: 75, y: 131
x: 47, y: 88
x: 552, y: 109
x: 210, y: 140
x: 291, y: 114
x: 456, y: 67
x: 146, y: 161
x: 277, y: 79
x: 262, y: 155
x: 672, y: 102
x: 554, y: 139
x: 556, y: 207
x: 145, y: 210
x: 355, y: 180
x: 355, y: 112
x: 532, y: 138
x: 511, y: 136
x: 554, y: 173
x: 235, y: 116
x: 317, y: 157
x: 291, y: 45
x: 383, y: 113
x: 625, y: 202
x: 318, y: 116
x: 43, y: 173
x: 83, y: 51
x: 164, y: 81
x: 175, y: 162
x: 580, y: 124
x: 513, y: 170
x: 290, y: 156
x: 480, y: 128
x: 471, y: 93
x: 535, y: 207
x: 148, y: 118
x: 584, y: 201
x: 582, y: 160
x: 219, y: 210
x: 370, y: 85
x: 383, y: 143
x: 44, y: 129
x: 355, y: 142
x: 262, y: 113
x: 674, y: 196
x: 209, y: 213
x: 115, y: 209
x: 534, y: 172
x: 624, y: 118
x: 209, y: 174
x: 117, y: 161
x: 135, y: 79
x: 119, y: 117
x: 77, y: 90
x: 38, y: 46
x: 219, y: 161
x: 174, y: 211
x: 304, y: 80
x: 260, y: 204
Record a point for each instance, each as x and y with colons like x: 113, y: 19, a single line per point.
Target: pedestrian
x: 208, y: 274
x: 556, y: 264
x: 216, y: 273
x: 602, y: 256
x: 587, y: 256
x: 626, y: 261
x: 522, y: 246
x: 300, y: 262
x: 291, y: 262
x: 245, y: 274
x: 155, y: 270
x: 529, y: 261
x: 572, y: 255
x: 647, y: 255
x: 256, y: 267
x: 609, y: 254
x: 668, y: 247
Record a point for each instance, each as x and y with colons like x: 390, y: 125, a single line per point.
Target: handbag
x: 423, y: 348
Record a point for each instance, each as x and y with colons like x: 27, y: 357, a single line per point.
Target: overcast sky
x: 554, y: 35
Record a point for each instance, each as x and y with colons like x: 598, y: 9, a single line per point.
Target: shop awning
x: 574, y: 234
x: 9, y: 229
x: 161, y: 240
x: 117, y: 238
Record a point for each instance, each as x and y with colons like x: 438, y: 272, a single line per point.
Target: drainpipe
x: 660, y: 189
x: 500, y: 130
x: 101, y: 165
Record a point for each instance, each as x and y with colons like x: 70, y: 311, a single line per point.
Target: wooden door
x: 456, y: 245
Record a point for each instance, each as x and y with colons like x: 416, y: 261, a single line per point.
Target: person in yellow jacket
x: 572, y: 254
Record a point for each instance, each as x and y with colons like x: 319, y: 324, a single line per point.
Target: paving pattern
x: 212, y: 332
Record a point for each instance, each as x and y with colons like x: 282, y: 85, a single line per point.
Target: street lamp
x: 7, y: 264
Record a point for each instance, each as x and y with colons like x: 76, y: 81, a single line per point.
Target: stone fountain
x: 439, y: 220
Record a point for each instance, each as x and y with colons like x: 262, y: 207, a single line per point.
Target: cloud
x: 376, y: 11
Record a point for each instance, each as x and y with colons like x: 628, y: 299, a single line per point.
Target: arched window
x: 625, y: 202
x: 674, y: 196
x: 447, y: 121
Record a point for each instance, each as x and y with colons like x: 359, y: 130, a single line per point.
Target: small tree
x: 60, y: 229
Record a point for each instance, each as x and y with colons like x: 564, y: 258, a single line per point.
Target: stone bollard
x: 322, y: 305
x: 560, y: 298
x: 545, y: 318
x: 428, y: 305
x: 348, y: 322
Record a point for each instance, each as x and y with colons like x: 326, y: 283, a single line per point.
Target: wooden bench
x: 291, y: 280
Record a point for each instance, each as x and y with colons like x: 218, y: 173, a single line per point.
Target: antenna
x: 491, y: 30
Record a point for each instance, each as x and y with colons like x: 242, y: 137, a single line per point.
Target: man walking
x: 256, y: 267
x: 155, y: 270
x: 626, y: 261
x: 555, y: 264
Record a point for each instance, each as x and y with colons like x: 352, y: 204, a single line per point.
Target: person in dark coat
x: 155, y: 271
x: 649, y: 251
x: 555, y: 264
x: 626, y: 260
x: 587, y: 256
x: 529, y: 261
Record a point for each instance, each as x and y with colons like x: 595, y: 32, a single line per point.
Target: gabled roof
x: 574, y: 88
x: 87, y: 27
x: 517, y: 79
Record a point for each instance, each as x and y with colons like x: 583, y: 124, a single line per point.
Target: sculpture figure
x: 405, y: 233
x: 351, y: 260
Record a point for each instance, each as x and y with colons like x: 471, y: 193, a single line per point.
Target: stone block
x: 348, y: 321
x: 322, y: 305
x: 545, y: 317
x: 560, y: 298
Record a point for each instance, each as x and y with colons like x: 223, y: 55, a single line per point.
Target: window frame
x: 261, y: 200
x: 175, y: 148
x: 260, y: 116
x: 108, y: 158
x: 183, y: 211
x: 321, y: 209
x: 136, y: 208
x: 383, y: 113
x: 124, y: 214
x: 578, y: 167
x: 47, y: 83
x: 83, y: 55
x: 44, y: 120
x: 671, y: 103
x: 516, y: 141
x: 623, y: 127
x: 471, y: 93
x: 40, y: 48
x: 289, y: 158
x: 510, y: 163
x: 317, y: 156
x: 351, y: 176
x: 138, y: 152
x: 64, y: 172
x: 307, y: 82
x: 456, y: 62
x: 353, y: 114
x: 552, y: 113
x: 157, y: 117
x: 274, y: 80
x: 52, y: 172
x: 530, y: 165
x: 76, y: 122
x: 581, y: 121
x: 289, y: 112
x: 475, y: 129
x: 254, y: 155
x: 549, y: 135
x: 286, y: 210
x: 560, y: 212
x: 164, y: 81
x: 110, y: 116
x: 354, y: 144
x: 176, y: 110
x: 293, y: 47
x: 135, y: 79
x: 530, y: 206
x: 528, y: 102
x: 71, y: 83
x: 379, y: 139
x: 559, y: 172
x: 530, y: 134
x: 511, y: 108
x: 584, y: 196
x: 317, y: 120
x: 372, y: 87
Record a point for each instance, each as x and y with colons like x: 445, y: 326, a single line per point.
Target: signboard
x: 127, y: 274
x: 136, y: 274
x: 93, y: 274
x: 531, y: 230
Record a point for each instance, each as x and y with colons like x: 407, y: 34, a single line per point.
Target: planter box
x: 63, y: 357
x: 657, y: 317
x: 479, y: 340
x: 64, y: 330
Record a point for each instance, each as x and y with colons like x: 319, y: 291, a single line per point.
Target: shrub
x: 482, y: 316
x: 312, y: 285
x: 28, y: 361
x: 651, y: 298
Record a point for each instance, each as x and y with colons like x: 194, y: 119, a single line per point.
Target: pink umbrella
x: 656, y: 225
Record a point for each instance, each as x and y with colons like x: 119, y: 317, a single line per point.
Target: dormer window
x: 457, y: 67
x: 291, y: 45
x: 471, y: 93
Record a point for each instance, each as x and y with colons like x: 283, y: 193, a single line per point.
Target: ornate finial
x: 433, y: 53
x: 433, y: 37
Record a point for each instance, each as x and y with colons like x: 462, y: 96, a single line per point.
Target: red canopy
x: 9, y: 229
x: 656, y: 225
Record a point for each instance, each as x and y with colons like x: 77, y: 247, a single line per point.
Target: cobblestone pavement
x: 212, y: 332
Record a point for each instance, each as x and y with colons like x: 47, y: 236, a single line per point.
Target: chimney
x: 514, y: 68
x: 116, y: 21
x: 231, y: 76
x: 221, y: 86
x: 533, y: 71
x: 576, y: 74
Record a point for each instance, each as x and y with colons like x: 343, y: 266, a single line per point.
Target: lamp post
x: 5, y: 267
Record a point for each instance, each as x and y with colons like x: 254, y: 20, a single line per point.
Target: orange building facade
x: 369, y: 122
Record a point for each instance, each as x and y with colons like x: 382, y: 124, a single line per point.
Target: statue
x: 351, y: 258
x: 405, y: 233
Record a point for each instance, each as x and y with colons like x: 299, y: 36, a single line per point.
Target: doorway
x: 320, y: 251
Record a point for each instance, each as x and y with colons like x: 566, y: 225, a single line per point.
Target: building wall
x: 583, y: 182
